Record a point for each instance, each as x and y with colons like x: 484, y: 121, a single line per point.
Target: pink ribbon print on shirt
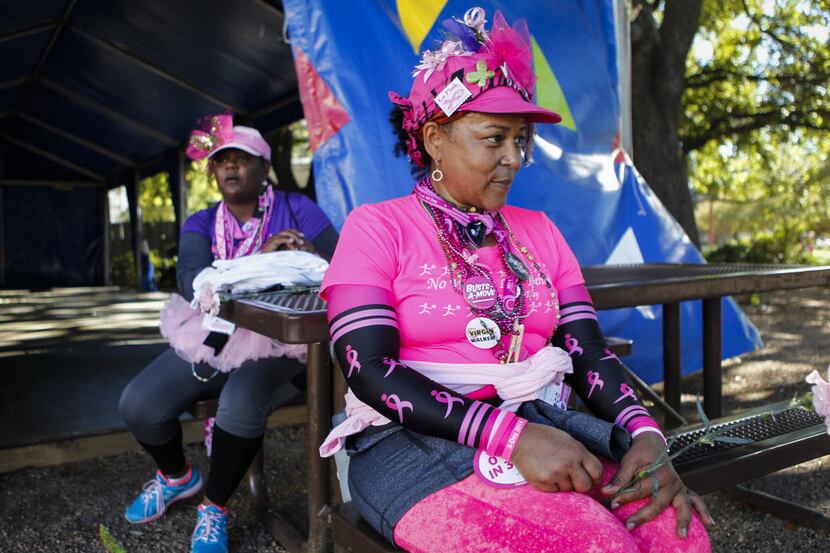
x: 394, y: 402
x: 572, y: 344
x: 626, y: 392
x: 447, y: 399
x: 392, y: 364
x: 351, y: 357
x: 594, y: 380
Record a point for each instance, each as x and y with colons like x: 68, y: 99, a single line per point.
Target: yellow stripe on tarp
x: 548, y: 92
x: 418, y: 17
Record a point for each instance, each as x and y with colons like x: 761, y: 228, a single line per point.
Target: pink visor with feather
x: 219, y: 133
x: 473, y: 71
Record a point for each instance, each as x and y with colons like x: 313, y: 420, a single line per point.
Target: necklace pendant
x: 516, y: 266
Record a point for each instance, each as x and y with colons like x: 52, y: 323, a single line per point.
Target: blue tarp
x: 587, y: 186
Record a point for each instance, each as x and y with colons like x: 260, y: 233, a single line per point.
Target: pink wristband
x: 513, y: 438
x: 498, y: 435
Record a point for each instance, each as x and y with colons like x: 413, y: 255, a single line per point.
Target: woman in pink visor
x: 462, y: 324
x: 249, y: 373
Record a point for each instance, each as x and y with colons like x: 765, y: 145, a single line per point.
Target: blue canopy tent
x: 95, y: 95
x: 351, y: 54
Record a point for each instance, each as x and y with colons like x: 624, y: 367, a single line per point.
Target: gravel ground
x: 58, y: 509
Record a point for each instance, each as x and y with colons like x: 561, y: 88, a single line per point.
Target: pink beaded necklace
x: 474, y: 280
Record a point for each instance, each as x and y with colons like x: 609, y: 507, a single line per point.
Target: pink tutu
x: 182, y: 326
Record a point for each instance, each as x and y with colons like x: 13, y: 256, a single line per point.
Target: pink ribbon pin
x: 572, y: 344
x: 594, y: 380
x: 351, y: 357
x: 392, y: 364
x: 446, y: 398
x: 394, y: 402
x: 626, y: 392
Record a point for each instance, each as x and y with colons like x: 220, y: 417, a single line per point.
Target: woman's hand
x: 551, y: 461
x: 644, y: 450
x: 288, y: 239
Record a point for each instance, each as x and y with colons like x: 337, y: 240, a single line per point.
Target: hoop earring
x: 437, y: 175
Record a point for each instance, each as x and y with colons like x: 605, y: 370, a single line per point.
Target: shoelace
x: 210, y: 524
x: 153, y: 490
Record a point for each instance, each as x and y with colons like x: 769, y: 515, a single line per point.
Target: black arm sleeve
x: 194, y: 255
x: 366, y: 343
x: 325, y: 242
x: 599, y: 377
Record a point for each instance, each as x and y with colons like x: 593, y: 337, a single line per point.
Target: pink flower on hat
x: 216, y: 130
x: 219, y: 133
x: 821, y: 395
x: 436, y: 60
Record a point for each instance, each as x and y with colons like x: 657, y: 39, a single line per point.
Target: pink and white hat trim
x: 219, y: 133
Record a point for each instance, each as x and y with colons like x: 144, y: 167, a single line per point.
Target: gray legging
x: 153, y: 400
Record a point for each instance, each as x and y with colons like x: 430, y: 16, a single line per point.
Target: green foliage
x: 108, y: 540
x: 165, y: 266
x: 764, y: 248
x: 155, y: 200
x: 757, y: 114
x: 123, y: 270
x: 202, y: 191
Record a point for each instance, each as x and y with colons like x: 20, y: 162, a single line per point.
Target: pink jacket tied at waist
x: 515, y: 383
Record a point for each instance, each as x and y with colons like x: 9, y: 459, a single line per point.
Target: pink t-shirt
x: 394, y: 245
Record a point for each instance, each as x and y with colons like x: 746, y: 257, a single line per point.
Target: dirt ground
x: 58, y: 509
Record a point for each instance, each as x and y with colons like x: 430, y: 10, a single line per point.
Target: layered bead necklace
x: 459, y: 232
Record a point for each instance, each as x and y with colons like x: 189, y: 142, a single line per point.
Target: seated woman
x: 454, y: 318
x: 251, y: 218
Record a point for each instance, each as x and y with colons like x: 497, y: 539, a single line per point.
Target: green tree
x: 759, y: 91
x: 202, y: 191
x: 155, y: 200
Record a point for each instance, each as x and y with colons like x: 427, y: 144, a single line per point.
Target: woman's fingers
x: 581, y: 478
x: 654, y: 507
x: 683, y: 512
x: 593, y: 467
x: 700, y: 506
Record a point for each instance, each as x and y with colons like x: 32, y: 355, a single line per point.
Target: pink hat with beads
x: 219, y: 133
x: 473, y: 71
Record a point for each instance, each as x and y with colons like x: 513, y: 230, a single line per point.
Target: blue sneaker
x: 159, y: 493
x: 211, y: 532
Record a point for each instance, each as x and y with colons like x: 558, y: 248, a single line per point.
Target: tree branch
x: 741, y: 123
x: 705, y: 78
x: 766, y: 30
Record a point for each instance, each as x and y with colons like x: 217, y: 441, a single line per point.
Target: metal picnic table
x: 300, y: 318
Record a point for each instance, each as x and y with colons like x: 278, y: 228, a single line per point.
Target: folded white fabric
x: 255, y: 272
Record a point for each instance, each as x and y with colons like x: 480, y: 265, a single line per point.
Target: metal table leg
x: 319, y: 420
x: 712, y: 353
x: 671, y: 358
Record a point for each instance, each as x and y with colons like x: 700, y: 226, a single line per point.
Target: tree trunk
x: 281, y: 143
x: 658, y: 79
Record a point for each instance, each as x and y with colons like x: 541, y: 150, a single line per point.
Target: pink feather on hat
x: 511, y: 45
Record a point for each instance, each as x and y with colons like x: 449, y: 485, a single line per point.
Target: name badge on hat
x: 497, y: 472
x: 453, y: 95
x: 483, y: 333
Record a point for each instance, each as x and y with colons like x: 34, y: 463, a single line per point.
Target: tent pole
x: 107, y: 240
x: 133, y: 185
x: 178, y: 189
x: 622, y: 32
x: 2, y: 215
